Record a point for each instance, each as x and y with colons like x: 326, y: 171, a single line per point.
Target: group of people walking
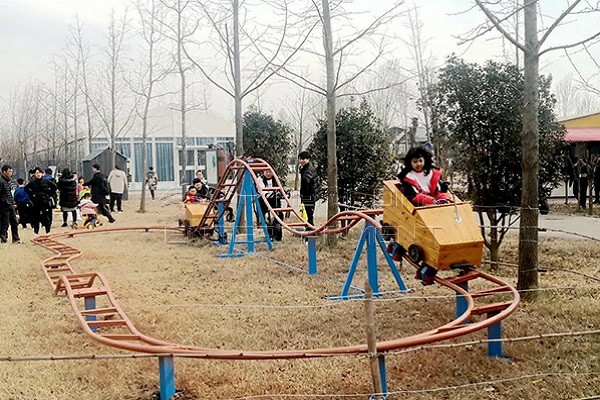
x: 34, y: 202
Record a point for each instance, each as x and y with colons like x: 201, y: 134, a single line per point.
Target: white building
x: 163, y: 145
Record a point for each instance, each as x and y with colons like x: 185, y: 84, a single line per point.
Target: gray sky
x: 31, y: 31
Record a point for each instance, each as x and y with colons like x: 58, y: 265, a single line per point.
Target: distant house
x: 163, y: 147
x: 584, y: 131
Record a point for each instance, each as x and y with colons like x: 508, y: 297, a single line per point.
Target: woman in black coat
x: 41, y: 192
x: 67, y: 186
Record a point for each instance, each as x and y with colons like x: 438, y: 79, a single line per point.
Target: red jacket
x: 412, y: 189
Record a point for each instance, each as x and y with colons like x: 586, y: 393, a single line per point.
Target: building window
x: 190, y: 157
x: 189, y: 141
x: 139, y: 168
x: 205, y: 141
x: 164, y: 161
x: 124, y: 148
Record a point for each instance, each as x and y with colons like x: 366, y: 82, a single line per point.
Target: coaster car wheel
x: 415, y: 253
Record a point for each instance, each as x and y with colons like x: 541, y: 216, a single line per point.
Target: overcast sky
x: 31, y: 31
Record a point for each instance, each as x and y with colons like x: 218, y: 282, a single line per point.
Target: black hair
x: 417, y: 152
x: 117, y: 167
x: 304, y: 155
x: 20, y: 181
x: 48, y: 171
x: 6, y: 167
x: 66, y: 173
x: 196, y: 180
x: 96, y: 166
x: 151, y: 168
x: 191, y: 187
x: 37, y: 169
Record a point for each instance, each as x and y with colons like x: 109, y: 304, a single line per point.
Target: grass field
x: 184, y: 293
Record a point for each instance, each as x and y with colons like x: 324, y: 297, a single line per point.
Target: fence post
x: 372, y: 342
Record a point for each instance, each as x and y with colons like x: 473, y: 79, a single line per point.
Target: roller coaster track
x: 106, y: 322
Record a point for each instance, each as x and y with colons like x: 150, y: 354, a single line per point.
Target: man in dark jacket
x: 308, y: 185
x: 41, y: 192
x: 8, y: 216
x: 99, y: 188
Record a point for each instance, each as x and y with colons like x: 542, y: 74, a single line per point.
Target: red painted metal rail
x: 109, y: 325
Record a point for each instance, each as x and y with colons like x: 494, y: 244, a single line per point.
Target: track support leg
x: 461, y: 302
x: 495, y: 332
x: 90, y: 304
x: 166, y: 372
x: 312, y: 255
x: 383, y: 374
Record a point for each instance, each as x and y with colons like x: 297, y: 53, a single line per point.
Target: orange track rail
x: 113, y: 328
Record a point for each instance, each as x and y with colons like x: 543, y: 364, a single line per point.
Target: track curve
x: 117, y: 330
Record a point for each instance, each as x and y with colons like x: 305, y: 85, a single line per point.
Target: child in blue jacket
x: 23, y: 203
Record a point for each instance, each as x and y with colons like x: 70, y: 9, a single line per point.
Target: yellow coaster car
x: 442, y: 236
x: 191, y: 216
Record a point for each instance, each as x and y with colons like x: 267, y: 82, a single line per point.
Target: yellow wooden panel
x: 588, y: 121
x: 194, y: 213
x: 435, y: 228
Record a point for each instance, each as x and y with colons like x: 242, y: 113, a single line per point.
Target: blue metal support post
x: 248, y: 203
x: 312, y: 255
x: 373, y: 239
x: 166, y: 372
x: 461, y: 301
x: 221, y: 223
x: 90, y: 304
x: 495, y: 332
x: 383, y: 374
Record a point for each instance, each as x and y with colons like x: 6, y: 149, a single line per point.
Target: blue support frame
x: 382, y: 374
x: 461, y: 301
x: 248, y: 203
x: 312, y: 255
x: 166, y: 375
x: 221, y: 224
x: 495, y: 332
x: 373, y: 239
x: 90, y: 304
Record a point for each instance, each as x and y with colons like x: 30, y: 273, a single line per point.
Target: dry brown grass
x: 179, y: 292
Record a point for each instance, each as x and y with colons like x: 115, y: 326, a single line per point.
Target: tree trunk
x: 298, y: 150
x: 239, y: 121
x: 183, y: 103
x: 528, y: 231
x: 332, y: 188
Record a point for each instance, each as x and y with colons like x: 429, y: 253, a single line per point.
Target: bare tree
x: 417, y: 46
x: 234, y: 39
x: 300, y: 108
x: 79, y: 51
x: 533, y: 48
x: 151, y: 72
x: 338, y: 79
x: 179, y: 28
x: 113, y: 104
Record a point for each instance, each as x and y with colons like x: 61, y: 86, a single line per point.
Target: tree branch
x: 496, y: 23
x: 557, y: 22
x: 569, y: 46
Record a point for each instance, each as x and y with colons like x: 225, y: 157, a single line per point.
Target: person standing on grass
x: 8, y: 216
x: 308, y: 185
x: 42, y: 193
x: 24, y: 204
x: 151, y: 181
x: 99, y: 187
x: 117, y: 179
x: 67, y: 186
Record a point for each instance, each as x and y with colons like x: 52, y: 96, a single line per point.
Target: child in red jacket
x: 421, y: 180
